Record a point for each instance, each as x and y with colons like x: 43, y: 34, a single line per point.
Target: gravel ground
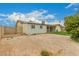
x: 32, y: 45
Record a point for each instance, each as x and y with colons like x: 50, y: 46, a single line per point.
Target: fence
x: 7, y: 30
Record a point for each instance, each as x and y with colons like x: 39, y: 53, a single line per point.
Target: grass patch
x: 61, y: 33
x: 45, y: 53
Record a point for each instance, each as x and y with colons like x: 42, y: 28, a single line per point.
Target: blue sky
x: 52, y: 12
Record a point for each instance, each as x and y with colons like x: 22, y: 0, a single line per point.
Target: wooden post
x: 1, y: 32
x: 49, y: 28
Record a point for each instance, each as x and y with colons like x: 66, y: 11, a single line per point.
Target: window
x: 33, y: 26
x: 41, y: 26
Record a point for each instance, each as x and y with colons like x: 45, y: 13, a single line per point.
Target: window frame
x: 41, y: 26
x: 33, y: 26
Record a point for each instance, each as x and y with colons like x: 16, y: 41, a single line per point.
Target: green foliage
x: 45, y: 53
x: 75, y: 36
x: 61, y: 33
x: 72, y: 25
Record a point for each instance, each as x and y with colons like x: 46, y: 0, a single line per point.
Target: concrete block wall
x: 1, y: 31
x: 7, y: 31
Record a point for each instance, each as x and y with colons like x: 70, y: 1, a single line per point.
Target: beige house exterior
x: 36, y: 28
x: 30, y: 28
x: 55, y: 28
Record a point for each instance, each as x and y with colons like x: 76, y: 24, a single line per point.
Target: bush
x: 72, y: 25
x: 45, y: 53
x: 75, y: 36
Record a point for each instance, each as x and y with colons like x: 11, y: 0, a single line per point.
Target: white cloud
x: 35, y: 16
x: 38, y: 16
x: 59, y: 22
x: 32, y: 19
x: 70, y: 5
x: 36, y: 13
x: 49, y: 16
x: 16, y: 16
x: 74, y: 5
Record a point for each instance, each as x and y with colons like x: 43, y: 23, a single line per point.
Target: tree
x: 72, y: 26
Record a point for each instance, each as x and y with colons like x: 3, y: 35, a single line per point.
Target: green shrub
x: 75, y: 36
x: 72, y: 25
x: 45, y: 53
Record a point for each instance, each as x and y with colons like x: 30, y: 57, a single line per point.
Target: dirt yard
x: 32, y: 45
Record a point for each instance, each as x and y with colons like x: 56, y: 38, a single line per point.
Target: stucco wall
x: 28, y: 30
x: 58, y: 28
x: 19, y: 28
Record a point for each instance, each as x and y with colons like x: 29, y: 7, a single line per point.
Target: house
x: 30, y: 27
x: 55, y: 28
x: 23, y: 27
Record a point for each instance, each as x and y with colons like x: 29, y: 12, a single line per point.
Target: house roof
x: 52, y: 25
x: 24, y: 22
